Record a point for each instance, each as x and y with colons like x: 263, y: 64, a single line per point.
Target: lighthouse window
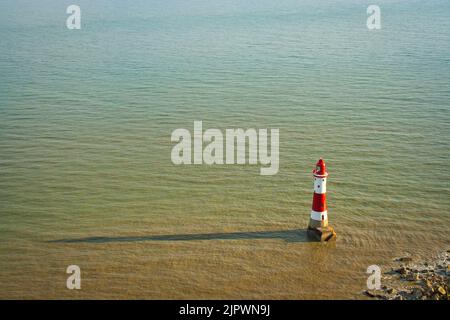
x: 323, y: 179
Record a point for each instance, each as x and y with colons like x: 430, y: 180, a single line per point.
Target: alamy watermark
x: 374, y: 280
x: 236, y: 142
x: 74, y: 20
x: 374, y: 20
x: 74, y: 280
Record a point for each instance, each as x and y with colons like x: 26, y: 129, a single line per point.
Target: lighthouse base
x: 321, y: 234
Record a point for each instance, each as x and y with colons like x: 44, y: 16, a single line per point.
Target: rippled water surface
x: 86, y: 118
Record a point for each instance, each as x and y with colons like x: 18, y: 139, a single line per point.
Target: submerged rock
x: 391, y: 291
x: 413, y: 277
x: 402, y: 270
x: 403, y: 259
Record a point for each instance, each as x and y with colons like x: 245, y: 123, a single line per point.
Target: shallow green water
x: 85, y: 123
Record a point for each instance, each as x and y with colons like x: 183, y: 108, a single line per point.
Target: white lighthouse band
x: 318, y: 215
x: 320, y: 185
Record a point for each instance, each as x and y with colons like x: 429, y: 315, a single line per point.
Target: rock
x: 391, y: 291
x: 416, y: 293
x: 426, y: 280
x: 370, y: 293
x: 442, y: 291
x: 404, y: 259
x: 413, y: 277
x: 376, y: 294
x: 402, y: 270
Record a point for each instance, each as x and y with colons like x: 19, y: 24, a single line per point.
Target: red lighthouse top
x: 321, y: 169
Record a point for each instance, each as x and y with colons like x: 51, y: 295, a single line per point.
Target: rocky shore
x: 409, y: 280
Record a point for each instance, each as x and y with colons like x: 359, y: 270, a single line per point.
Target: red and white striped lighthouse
x: 318, y: 223
x: 319, y: 217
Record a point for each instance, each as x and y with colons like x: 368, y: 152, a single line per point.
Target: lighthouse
x: 318, y: 227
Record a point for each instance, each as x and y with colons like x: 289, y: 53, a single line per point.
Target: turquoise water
x: 86, y: 118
